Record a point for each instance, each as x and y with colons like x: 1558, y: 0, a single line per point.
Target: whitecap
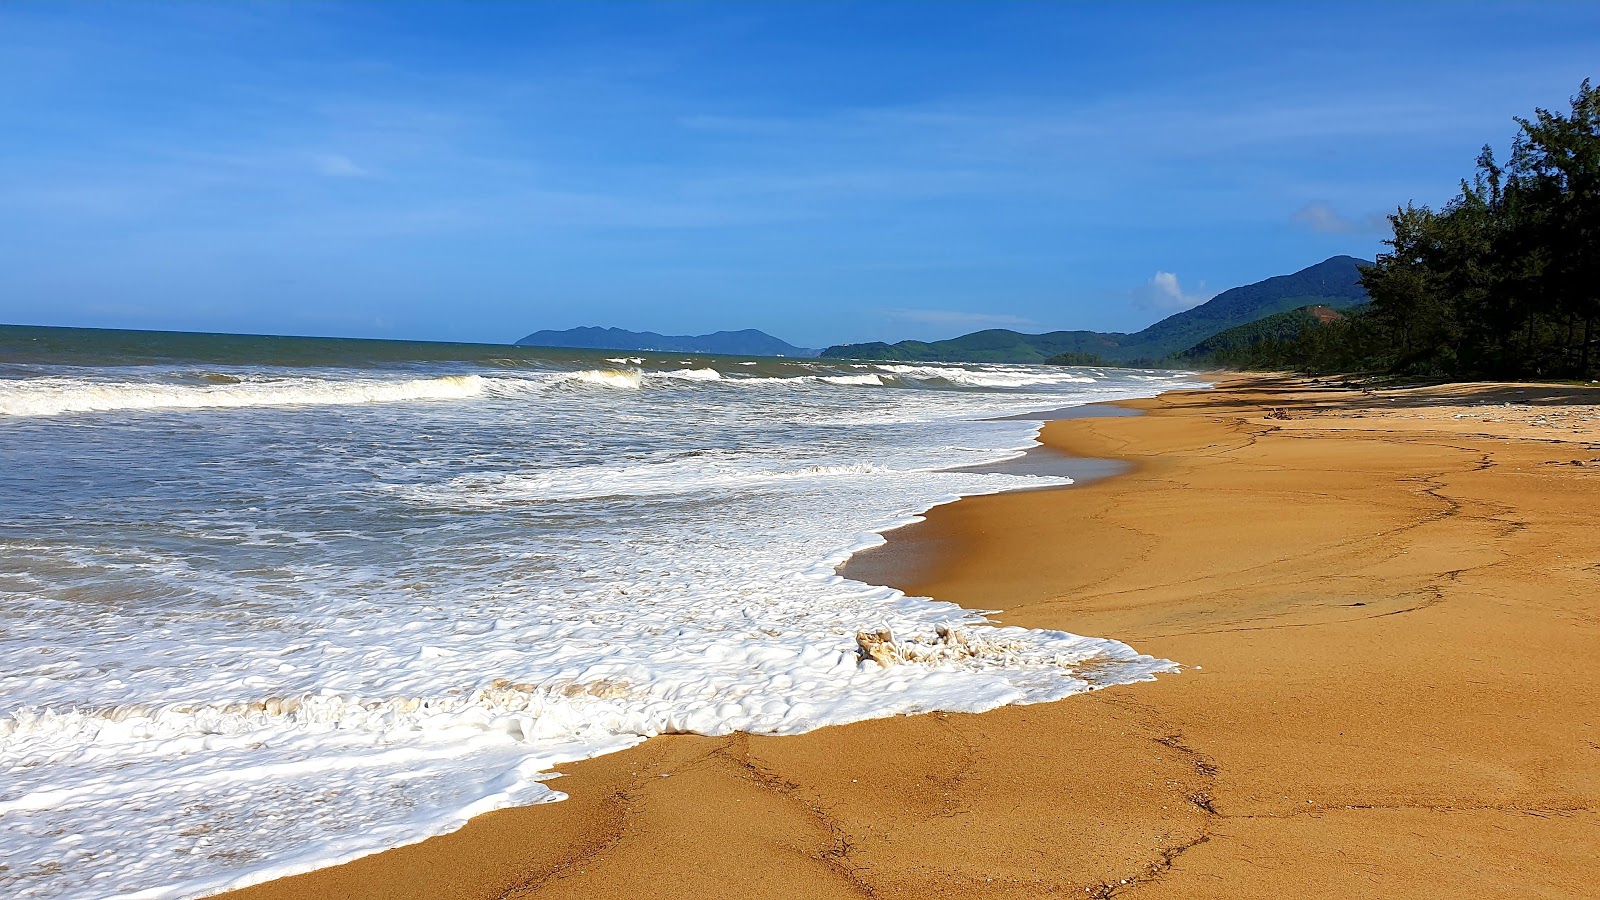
x: 55, y: 396
x: 690, y: 375
x: 626, y: 379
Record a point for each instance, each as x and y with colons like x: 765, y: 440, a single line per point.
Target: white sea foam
x: 57, y: 395
x: 703, y: 374
x: 235, y: 653
x: 627, y: 379
x: 991, y: 376
x: 655, y: 479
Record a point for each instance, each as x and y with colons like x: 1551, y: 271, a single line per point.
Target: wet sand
x: 1389, y: 606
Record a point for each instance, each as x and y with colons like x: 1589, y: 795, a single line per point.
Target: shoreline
x: 902, y: 560
x: 1352, y: 725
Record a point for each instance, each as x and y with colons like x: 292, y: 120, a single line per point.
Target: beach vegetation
x: 1503, y: 281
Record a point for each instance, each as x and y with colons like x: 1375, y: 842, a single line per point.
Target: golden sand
x: 1389, y: 604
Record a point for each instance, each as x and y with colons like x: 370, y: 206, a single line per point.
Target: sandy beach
x: 1386, y: 606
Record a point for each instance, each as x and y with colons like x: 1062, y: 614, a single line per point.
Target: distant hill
x: 1334, y: 283
x: 992, y: 345
x: 1284, y: 326
x: 748, y: 342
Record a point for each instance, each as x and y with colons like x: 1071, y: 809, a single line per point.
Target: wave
x: 55, y: 396
x: 889, y: 376
x: 852, y: 379
x: 626, y: 379
x: 987, y: 377
x: 594, y: 482
x: 690, y: 375
x: 630, y: 379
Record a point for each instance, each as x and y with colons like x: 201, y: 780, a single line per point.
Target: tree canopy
x: 1502, y: 282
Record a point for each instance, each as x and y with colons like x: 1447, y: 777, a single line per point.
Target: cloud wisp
x: 337, y: 165
x: 1324, y: 219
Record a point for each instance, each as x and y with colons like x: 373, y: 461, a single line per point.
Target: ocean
x: 269, y: 604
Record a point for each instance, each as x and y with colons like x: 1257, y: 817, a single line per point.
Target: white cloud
x: 1164, y: 292
x: 1322, y: 218
x: 955, y: 317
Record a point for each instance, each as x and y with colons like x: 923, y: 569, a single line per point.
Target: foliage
x: 1502, y: 282
x: 1242, y: 344
x: 1074, y: 358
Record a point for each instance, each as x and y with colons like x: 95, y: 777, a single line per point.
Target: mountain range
x: 1334, y: 283
x: 746, y: 342
x: 1274, y: 307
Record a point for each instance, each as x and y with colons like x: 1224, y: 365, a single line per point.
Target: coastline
x: 1382, y: 602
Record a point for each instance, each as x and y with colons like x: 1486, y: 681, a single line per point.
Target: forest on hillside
x: 1502, y: 282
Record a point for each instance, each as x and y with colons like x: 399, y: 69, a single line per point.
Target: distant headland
x: 1178, y: 340
x: 746, y: 342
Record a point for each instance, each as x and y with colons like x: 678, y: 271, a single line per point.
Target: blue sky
x: 822, y: 171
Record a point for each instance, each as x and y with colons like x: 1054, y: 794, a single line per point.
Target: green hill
x: 1333, y: 283
x: 993, y: 345
x: 1284, y: 326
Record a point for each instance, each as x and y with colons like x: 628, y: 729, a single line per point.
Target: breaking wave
x: 55, y: 396
x: 626, y: 379
x: 692, y: 375
x: 993, y: 378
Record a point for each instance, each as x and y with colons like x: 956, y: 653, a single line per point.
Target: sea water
x: 272, y: 604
